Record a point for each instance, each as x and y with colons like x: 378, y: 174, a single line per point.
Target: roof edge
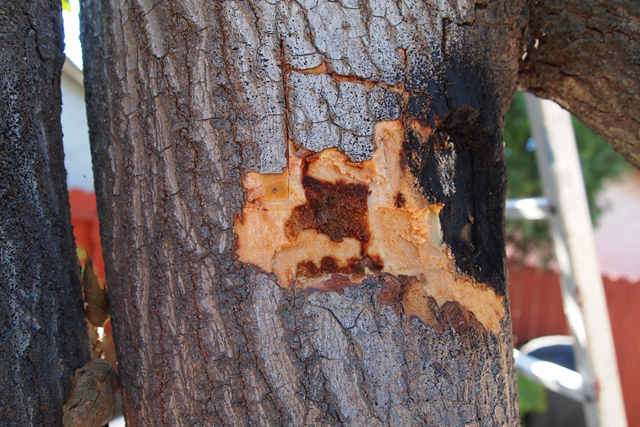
x: 72, y: 70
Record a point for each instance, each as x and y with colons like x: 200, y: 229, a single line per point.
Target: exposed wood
x: 187, y: 99
x: 585, y: 55
x: 43, y: 336
x: 326, y: 223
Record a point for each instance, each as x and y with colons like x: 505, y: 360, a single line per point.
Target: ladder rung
x: 552, y: 376
x: 528, y: 208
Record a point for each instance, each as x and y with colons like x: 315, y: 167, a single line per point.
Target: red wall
x: 84, y: 218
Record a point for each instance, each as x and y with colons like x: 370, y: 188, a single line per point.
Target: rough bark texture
x: 585, y: 55
x: 43, y: 336
x: 185, y: 98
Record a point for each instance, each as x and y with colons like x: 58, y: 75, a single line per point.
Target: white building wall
x: 77, y: 154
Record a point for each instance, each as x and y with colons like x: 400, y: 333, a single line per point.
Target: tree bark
x: 585, y: 55
x: 42, y: 329
x: 197, y: 107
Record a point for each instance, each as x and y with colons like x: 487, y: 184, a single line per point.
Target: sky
x: 72, y: 33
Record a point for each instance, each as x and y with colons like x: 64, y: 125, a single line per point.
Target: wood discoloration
x: 343, y: 221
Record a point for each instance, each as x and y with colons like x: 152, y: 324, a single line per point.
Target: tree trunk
x: 585, y: 55
x: 42, y: 329
x: 254, y: 281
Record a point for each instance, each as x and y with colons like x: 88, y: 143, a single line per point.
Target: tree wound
x: 327, y: 222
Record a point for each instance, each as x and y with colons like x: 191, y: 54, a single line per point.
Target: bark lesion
x: 341, y: 221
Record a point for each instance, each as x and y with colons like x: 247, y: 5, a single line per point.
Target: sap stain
x: 338, y: 210
x: 356, y: 268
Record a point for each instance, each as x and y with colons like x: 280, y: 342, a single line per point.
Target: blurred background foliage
x: 533, y: 397
x: 600, y: 162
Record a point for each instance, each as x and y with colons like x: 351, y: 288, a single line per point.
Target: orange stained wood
x: 322, y: 69
x: 318, y: 69
x: 422, y: 129
x: 326, y: 222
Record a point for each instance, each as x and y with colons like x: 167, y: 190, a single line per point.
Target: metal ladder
x: 597, y: 384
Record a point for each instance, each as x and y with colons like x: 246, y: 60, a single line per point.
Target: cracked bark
x: 585, y: 55
x: 43, y: 333
x: 185, y: 99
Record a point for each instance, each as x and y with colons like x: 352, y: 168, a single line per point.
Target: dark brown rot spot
x: 338, y: 210
x: 459, y: 318
x: 400, y: 201
x: 392, y: 291
x: 455, y: 316
x: 355, y: 267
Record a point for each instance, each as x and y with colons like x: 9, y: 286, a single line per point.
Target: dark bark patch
x: 392, y: 291
x: 455, y: 315
x: 460, y: 318
x: 446, y: 162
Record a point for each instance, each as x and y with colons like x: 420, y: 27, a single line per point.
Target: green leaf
x: 533, y: 396
x: 66, y: 5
